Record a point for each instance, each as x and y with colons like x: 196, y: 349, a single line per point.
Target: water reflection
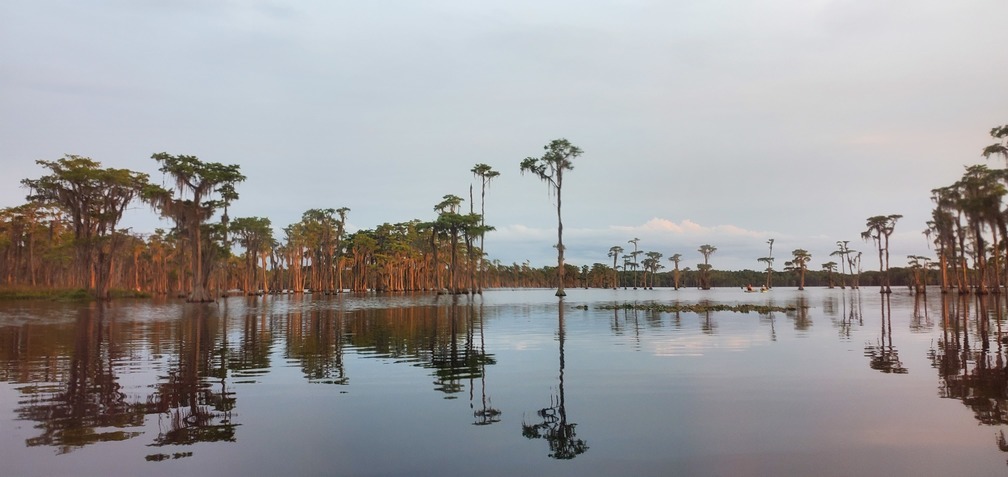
x: 181, y: 377
x: 977, y: 377
x: 425, y: 336
x: 452, y: 363
x: 75, y: 396
x: 559, y: 433
x: 882, y: 355
x: 255, y: 343
x: 314, y: 340
x: 850, y: 314
x: 486, y: 414
x: 88, y: 405
x: 707, y: 326
x: 800, y: 314
x: 921, y: 322
x: 189, y: 364
x: 194, y: 402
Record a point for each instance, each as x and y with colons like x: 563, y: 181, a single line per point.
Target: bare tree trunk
x: 560, y: 247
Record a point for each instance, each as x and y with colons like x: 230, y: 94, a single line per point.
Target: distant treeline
x: 600, y: 276
x: 66, y: 237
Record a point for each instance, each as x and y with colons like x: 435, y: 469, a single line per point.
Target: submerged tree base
x: 699, y: 307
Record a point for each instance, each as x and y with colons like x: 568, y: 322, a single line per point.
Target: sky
x: 717, y: 122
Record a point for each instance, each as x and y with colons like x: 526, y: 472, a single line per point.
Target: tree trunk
x: 560, y: 248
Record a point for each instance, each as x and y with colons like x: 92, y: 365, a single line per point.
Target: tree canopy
x: 95, y: 199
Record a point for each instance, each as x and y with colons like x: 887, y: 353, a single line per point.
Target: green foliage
x: 202, y: 189
x: 559, y: 157
x: 999, y: 148
x: 95, y: 199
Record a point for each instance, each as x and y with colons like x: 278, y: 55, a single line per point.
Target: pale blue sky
x: 721, y: 122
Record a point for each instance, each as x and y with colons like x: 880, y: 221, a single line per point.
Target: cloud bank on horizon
x: 719, y: 122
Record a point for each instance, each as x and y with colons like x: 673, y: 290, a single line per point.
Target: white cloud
x: 686, y: 227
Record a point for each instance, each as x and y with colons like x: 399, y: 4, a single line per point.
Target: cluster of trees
x: 81, y: 203
x: 651, y: 263
x: 67, y: 236
x: 968, y: 224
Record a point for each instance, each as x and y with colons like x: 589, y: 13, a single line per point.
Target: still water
x: 514, y: 382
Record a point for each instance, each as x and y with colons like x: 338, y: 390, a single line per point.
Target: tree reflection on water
x: 89, y: 406
x: 99, y: 375
x: 315, y: 340
x: 72, y: 373
x: 977, y: 377
x: 80, y: 400
x: 849, y: 315
x: 433, y: 337
x: 882, y: 355
x: 555, y: 428
x: 486, y: 414
x: 191, y: 407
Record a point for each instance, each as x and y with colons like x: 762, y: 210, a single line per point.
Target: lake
x: 513, y: 382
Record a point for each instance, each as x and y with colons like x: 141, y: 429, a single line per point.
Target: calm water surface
x: 510, y: 383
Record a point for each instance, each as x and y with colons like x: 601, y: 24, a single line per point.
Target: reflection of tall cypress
x: 195, y: 412
x: 486, y: 414
x: 921, y: 321
x: 771, y: 319
x: 90, y: 399
x: 883, y: 356
x: 850, y: 312
x: 555, y: 428
x: 453, y: 364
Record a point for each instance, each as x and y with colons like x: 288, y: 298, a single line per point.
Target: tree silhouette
x: 880, y: 227
x: 675, y: 258
x: 652, y: 263
x: 830, y: 268
x: 633, y: 255
x: 799, y: 263
x: 256, y: 236
x: 769, y: 263
x: 999, y: 148
x: 706, y: 250
x: 485, y: 173
x: 550, y: 168
x: 614, y: 253
x: 202, y: 189
x: 841, y: 254
x: 95, y: 199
